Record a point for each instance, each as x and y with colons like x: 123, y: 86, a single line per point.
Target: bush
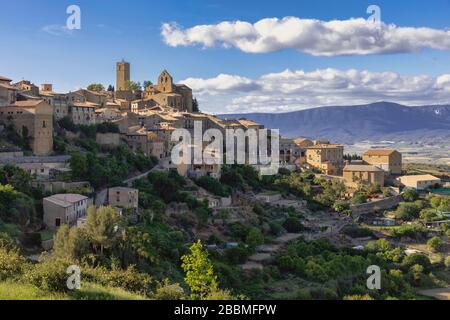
x: 435, y: 243
x: 50, y: 275
x: 415, y: 231
x: 254, y: 238
x: 293, y: 225
x: 417, y: 259
x: 407, y: 211
x: 447, y: 262
x: 237, y: 255
x: 341, y: 206
x: 359, y: 198
x: 129, y: 279
x: 275, y: 228
x: 11, y: 263
x: 169, y: 291
x: 357, y: 232
x: 212, y: 185
x: 410, y: 195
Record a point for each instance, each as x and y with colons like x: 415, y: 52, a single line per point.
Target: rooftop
x: 66, y: 200
x: 379, y: 152
x: 5, y: 79
x: 326, y: 146
x: 362, y: 167
x: 123, y: 189
x: 423, y: 177
x: 28, y: 103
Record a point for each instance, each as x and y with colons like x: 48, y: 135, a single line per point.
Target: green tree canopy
x: 199, y: 272
x: 96, y: 87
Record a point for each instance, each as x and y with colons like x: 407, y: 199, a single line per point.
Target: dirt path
x: 441, y: 293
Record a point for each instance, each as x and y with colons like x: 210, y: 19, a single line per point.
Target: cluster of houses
x: 146, y: 119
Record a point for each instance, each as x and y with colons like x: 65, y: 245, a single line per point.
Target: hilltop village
x: 67, y: 159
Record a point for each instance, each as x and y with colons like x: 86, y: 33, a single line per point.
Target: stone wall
x: 110, y: 140
x: 384, y: 204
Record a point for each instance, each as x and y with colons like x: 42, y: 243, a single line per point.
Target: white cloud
x: 56, y: 30
x: 293, y: 90
x: 315, y: 37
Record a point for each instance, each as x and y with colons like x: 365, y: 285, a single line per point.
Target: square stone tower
x: 122, y: 75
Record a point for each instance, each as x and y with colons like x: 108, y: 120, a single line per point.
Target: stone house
x: 34, y: 119
x: 328, y: 158
x: 122, y: 197
x: 62, y: 209
x: 355, y: 175
x: 388, y: 160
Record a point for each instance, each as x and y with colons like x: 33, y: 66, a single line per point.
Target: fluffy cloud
x: 315, y: 37
x: 293, y: 90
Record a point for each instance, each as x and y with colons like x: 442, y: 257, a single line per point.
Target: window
x: 57, y: 222
x: 44, y: 125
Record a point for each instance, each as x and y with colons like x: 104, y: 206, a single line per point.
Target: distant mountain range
x: 373, y: 122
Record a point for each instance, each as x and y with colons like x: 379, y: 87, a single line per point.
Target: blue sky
x: 112, y: 30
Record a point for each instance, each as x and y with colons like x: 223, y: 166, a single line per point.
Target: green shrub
x: 128, y: 279
x: 50, y: 275
x: 293, y: 225
x: 435, y: 243
x: 417, y: 259
x: 410, y: 195
x: 169, y: 291
x: 11, y: 263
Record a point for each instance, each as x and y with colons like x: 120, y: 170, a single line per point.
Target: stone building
x: 388, y: 160
x: 62, y: 209
x: 355, y: 175
x: 32, y: 119
x: 126, y: 198
x: 83, y: 113
x: 167, y: 93
x: 420, y: 182
x: 58, y: 101
x: 98, y: 98
x: 7, y: 92
x: 27, y: 87
x: 328, y: 158
x: 122, y: 75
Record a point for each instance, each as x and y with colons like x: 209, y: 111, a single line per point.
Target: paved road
x: 130, y: 181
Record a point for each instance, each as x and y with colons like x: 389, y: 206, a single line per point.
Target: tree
x: 359, y: 198
x: 447, y: 262
x: 254, y: 238
x: 133, y: 86
x: 96, y: 87
x: 11, y: 263
x: 341, y: 206
x: 417, y: 258
x: 407, y: 211
x: 147, y: 84
x: 293, y: 225
x: 102, y: 227
x: 199, y: 272
x: 79, y: 165
x: 410, y: 195
x: 195, y: 105
x: 435, y: 243
x: 416, y: 274
x: 70, y: 243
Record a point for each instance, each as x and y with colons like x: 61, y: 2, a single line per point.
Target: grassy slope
x: 90, y: 291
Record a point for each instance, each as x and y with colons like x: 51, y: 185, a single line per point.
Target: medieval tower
x: 122, y: 75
